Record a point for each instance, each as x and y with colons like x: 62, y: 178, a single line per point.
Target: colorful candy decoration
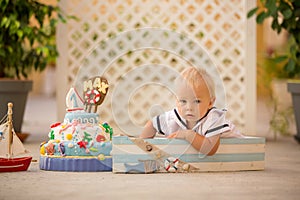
x: 82, y: 144
x: 101, y: 157
x: 69, y: 136
x: 61, y: 149
x: 51, y: 135
x: 108, y: 129
x: 42, y: 149
x: 92, y: 96
x: 93, y: 149
x: 70, y: 145
x: 100, y: 138
x: 87, y: 137
x: 94, y: 91
x: 55, y: 125
x: 171, y: 164
x: 50, y: 149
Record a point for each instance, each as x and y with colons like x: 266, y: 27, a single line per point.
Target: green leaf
x: 4, y: 21
x: 293, y: 51
x: 280, y: 59
x: 290, y: 66
x: 10, y: 49
x: 17, y: 24
x: 275, y: 25
x: 271, y: 6
x: 45, y: 51
x: 3, y: 5
x: 38, y: 50
x: 2, y: 53
x: 287, y: 13
x: 261, y: 17
x: 20, y: 33
x: 252, y: 12
x: 62, y: 19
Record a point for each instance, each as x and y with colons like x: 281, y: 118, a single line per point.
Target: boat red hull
x: 14, y: 164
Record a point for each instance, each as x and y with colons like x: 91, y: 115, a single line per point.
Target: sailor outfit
x: 212, y: 123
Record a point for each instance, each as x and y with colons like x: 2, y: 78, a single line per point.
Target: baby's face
x: 193, y: 105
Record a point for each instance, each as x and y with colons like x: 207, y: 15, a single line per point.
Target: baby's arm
x: 149, y: 131
x: 205, y: 145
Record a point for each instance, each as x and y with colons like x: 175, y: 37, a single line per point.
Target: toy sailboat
x: 11, y: 147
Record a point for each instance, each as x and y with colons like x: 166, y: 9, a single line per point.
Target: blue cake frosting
x: 82, y: 117
x: 78, y: 149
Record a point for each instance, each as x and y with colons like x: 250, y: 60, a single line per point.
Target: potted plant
x: 285, y: 15
x: 272, y: 87
x: 27, y: 43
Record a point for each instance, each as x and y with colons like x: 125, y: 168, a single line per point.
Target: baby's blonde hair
x: 194, y: 77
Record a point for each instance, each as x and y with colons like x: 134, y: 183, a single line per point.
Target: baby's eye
x: 197, y: 101
x: 182, y: 101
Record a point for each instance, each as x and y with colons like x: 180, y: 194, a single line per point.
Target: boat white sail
x: 11, y: 148
x: 16, y: 148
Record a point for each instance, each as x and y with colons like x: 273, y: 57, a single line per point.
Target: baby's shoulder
x: 216, y: 113
x: 167, y: 115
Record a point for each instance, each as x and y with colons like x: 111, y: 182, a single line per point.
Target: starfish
x: 50, y: 149
x: 82, y: 144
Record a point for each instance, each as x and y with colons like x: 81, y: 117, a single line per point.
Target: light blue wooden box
x: 234, y: 154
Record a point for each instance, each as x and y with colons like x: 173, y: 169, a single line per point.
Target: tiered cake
x: 80, y: 142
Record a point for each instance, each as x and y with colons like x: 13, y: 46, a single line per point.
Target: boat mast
x: 10, y: 126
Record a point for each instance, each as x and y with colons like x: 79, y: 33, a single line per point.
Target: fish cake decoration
x: 94, y: 92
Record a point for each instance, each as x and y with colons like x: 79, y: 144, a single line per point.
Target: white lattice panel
x: 113, y: 39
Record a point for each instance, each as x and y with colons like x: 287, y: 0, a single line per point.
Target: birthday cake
x: 81, y: 142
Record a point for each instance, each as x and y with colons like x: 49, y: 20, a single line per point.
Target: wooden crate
x: 234, y: 154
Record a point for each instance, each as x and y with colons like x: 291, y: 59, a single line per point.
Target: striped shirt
x: 212, y: 123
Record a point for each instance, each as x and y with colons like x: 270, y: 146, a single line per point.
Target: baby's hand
x: 172, y: 135
x: 178, y: 134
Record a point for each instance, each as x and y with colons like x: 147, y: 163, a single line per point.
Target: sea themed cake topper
x: 73, y: 100
x: 94, y: 91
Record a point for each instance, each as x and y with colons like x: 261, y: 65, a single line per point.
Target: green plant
x: 27, y: 36
x: 268, y: 70
x: 285, y: 15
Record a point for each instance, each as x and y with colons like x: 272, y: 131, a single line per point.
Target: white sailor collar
x: 182, y: 122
